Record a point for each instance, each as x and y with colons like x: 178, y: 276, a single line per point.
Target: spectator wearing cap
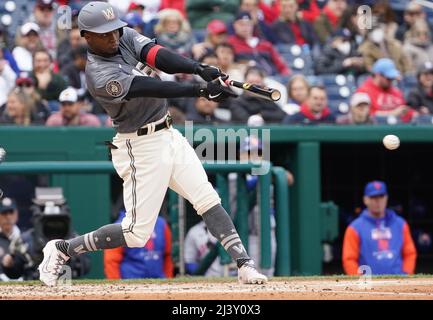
x: 290, y: 28
x: 74, y: 72
x: 73, y: 41
x: 378, y: 238
x: 359, y: 113
x: 173, y: 31
x: 43, y: 16
x: 386, y: 99
x: 21, y: 110
x: 421, y: 97
x: 248, y: 105
x: 314, y: 110
x: 413, y: 12
x: 48, y: 84
x: 262, y: 29
x: 201, y: 12
x: 9, y: 231
x: 330, y: 19
x: 70, y: 113
x: 28, y: 42
x: 377, y: 46
x: 7, y: 79
x: 216, y: 33
x: 339, y: 56
x: 26, y: 84
x: 418, y: 44
x: 247, y: 47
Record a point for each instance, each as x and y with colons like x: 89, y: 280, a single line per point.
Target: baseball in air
x: 391, y: 142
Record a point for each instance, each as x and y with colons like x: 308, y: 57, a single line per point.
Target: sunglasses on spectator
x: 25, y: 85
x: 43, y: 8
x: 414, y: 13
x: 7, y: 212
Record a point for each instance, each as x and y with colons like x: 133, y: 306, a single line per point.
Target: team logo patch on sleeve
x: 114, y: 88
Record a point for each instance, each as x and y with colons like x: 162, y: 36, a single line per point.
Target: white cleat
x: 51, y: 266
x: 248, y: 274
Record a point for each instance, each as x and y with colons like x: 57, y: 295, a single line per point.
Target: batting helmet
x: 99, y: 17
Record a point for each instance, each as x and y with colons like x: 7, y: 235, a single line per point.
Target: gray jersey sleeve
x: 135, y: 41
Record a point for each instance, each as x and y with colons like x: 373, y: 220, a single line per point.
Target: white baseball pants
x: 148, y: 165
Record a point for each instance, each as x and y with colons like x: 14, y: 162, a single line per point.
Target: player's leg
x: 190, y: 180
x: 146, y: 176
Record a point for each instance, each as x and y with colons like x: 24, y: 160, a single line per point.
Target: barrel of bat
x: 268, y: 93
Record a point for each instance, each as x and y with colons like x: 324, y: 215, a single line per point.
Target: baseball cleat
x: 51, y: 266
x: 248, y: 274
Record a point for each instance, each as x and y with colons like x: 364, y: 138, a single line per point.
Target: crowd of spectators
x: 318, y: 53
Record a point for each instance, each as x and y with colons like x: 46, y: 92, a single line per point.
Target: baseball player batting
x: 147, y: 152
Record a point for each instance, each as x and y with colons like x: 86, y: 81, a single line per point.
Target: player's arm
x: 171, y: 62
x: 142, y: 86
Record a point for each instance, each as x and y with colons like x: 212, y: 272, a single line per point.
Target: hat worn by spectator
x: 45, y: 4
x: 359, y: 98
x: 29, y: 27
x: 386, y: 67
x: 69, y: 95
x: 216, y: 27
x: 7, y: 204
x: 375, y: 188
x: 134, y: 6
x: 243, y: 15
x: 426, y: 67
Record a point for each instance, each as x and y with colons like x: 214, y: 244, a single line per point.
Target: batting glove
x: 216, y: 90
x: 207, y: 72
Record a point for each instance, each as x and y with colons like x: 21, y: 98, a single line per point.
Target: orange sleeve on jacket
x: 409, y: 251
x: 168, y: 262
x: 112, y: 260
x: 351, y: 251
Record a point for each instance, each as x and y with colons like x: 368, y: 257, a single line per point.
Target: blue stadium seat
x: 408, y: 83
x: 199, y: 34
x: 53, y: 105
x: 391, y: 120
x: 424, y: 119
x: 298, y: 58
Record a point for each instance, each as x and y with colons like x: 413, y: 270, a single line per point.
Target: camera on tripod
x: 51, y: 216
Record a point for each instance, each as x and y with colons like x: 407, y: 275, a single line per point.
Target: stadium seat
x: 199, y: 35
x: 391, y: 120
x: 298, y: 58
x: 424, y: 119
x: 408, y: 83
x: 53, y: 105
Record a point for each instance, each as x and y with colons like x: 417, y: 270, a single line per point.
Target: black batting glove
x: 207, y: 72
x: 216, y: 90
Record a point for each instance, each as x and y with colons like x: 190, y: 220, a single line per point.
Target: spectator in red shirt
x: 291, y: 29
x: 247, y: 47
x: 386, y: 100
x: 70, y: 113
x: 314, y: 110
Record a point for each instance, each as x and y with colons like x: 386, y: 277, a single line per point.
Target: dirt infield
x: 277, y: 289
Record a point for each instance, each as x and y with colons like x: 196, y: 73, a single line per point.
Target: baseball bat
x: 268, y: 93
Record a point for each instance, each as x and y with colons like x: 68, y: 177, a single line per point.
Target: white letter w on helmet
x: 109, y: 13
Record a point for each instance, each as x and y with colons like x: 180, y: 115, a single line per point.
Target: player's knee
x: 135, y: 240
x: 208, y: 199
